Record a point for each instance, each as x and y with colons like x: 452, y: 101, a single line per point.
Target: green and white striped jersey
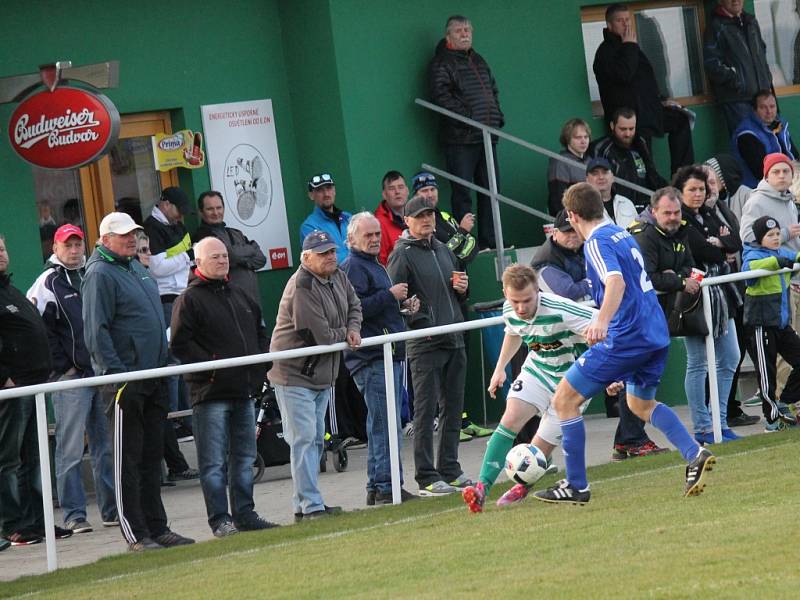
x: 553, y: 336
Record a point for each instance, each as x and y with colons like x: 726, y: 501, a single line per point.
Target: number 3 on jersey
x: 644, y: 280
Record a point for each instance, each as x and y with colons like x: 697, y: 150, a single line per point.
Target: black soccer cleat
x: 564, y: 492
x: 696, y: 470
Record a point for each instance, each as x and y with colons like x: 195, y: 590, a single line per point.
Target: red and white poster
x: 243, y: 162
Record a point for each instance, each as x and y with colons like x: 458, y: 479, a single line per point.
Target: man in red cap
x: 78, y: 412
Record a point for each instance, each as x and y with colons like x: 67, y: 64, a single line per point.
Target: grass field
x: 637, y: 538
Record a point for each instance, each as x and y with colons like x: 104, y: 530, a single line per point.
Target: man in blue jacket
x: 326, y: 216
x: 381, y: 303
x: 121, y: 302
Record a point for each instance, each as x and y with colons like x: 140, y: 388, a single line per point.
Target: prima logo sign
x: 63, y: 129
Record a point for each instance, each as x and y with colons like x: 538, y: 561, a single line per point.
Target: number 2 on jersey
x: 644, y: 280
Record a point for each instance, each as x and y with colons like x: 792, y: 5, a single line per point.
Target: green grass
x: 637, y: 538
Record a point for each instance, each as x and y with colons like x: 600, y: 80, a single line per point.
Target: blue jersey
x: 639, y: 324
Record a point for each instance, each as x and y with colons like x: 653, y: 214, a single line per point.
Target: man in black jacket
x: 662, y: 235
x: 735, y: 60
x: 629, y: 155
x: 214, y: 318
x: 244, y: 256
x: 461, y: 81
x: 24, y: 360
x: 626, y: 78
x: 438, y: 364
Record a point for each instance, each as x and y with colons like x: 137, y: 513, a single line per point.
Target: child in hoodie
x: 767, y: 319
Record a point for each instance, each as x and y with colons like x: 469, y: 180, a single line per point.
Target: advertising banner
x: 183, y: 148
x: 243, y: 161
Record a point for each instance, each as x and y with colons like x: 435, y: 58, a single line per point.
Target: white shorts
x: 529, y: 389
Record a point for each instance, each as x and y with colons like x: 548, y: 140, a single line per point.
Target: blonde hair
x: 518, y: 277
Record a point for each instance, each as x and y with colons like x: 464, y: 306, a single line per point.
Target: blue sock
x: 574, y: 446
x: 664, y: 419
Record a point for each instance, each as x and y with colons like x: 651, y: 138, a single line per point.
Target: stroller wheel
x: 340, y: 461
x: 258, y: 468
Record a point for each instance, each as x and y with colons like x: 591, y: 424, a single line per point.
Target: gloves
x: 785, y: 263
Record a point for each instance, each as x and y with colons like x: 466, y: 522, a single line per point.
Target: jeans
x: 80, y: 411
x: 20, y: 479
x: 468, y: 161
x: 225, y: 437
x: 370, y: 380
x: 726, y: 348
x: 303, y: 413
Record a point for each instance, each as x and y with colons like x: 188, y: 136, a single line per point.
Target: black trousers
x: 347, y: 411
x: 679, y: 138
x: 139, y: 414
x: 767, y: 343
x: 468, y: 161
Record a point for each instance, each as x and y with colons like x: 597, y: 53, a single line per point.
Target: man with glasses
x: 326, y: 216
x: 122, y: 303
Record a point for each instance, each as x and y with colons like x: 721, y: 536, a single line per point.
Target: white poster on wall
x: 242, y: 155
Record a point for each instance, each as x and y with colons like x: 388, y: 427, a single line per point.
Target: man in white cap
x: 121, y: 301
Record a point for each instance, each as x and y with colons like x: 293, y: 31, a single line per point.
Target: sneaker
x: 437, y: 488
x: 23, y: 538
x: 743, y: 420
x: 298, y: 517
x: 328, y: 511
x: 224, y: 529
x: 696, y: 470
x: 728, y: 435
x: 461, y: 482
x: 474, y: 497
x: 184, y: 475
x: 619, y: 453
x: 386, y: 498
x: 463, y: 436
x: 143, y: 545
x: 169, y: 539
x: 60, y: 533
x: 183, y: 433
x: 4, y: 544
x: 408, y: 430
x: 371, y: 497
x: 704, y: 438
x: 776, y: 425
x: 786, y: 415
x: 518, y: 493
x: 78, y: 526
x: 255, y: 523
x: 551, y: 468
x: 476, y: 431
x: 754, y: 400
x: 650, y: 447
x: 112, y: 522
x: 563, y: 492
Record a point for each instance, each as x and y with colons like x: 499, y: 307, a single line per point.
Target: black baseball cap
x: 598, y: 163
x: 319, y: 180
x: 176, y: 196
x: 417, y: 205
x: 562, y: 221
x: 318, y: 241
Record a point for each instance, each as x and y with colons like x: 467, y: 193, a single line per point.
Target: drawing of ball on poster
x: 242, y: 153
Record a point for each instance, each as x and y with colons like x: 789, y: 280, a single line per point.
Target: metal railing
x: 495, y: 197
x: 39, y: 391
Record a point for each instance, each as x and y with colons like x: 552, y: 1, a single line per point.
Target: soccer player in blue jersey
x: 629, y: 342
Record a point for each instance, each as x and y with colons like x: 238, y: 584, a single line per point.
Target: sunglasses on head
x: 324, y: 177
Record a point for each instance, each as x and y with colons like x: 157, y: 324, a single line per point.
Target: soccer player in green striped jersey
x: 551, y: 327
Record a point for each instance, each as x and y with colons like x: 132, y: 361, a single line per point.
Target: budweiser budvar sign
x: 63, y: 129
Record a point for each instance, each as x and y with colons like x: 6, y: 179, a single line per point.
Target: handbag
x: 686, y: 317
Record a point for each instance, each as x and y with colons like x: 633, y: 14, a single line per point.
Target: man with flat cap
x: 127, y: 333
x: 319, y: 306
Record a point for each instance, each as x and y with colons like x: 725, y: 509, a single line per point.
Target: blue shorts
x: 601, y: 365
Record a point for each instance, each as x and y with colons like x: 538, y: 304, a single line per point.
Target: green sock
x: 500, y: 443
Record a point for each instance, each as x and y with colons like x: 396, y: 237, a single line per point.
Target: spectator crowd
x: 151, y: 294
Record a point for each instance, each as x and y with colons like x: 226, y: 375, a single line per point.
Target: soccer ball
x: 525, y: 464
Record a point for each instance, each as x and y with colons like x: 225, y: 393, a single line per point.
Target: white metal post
x: 711, y: 364
x: 391, y: 412
x: 498, y: 228
x: 47, y: 487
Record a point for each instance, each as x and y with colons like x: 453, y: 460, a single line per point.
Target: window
x: 670, y: 35
x: 780, y: 25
